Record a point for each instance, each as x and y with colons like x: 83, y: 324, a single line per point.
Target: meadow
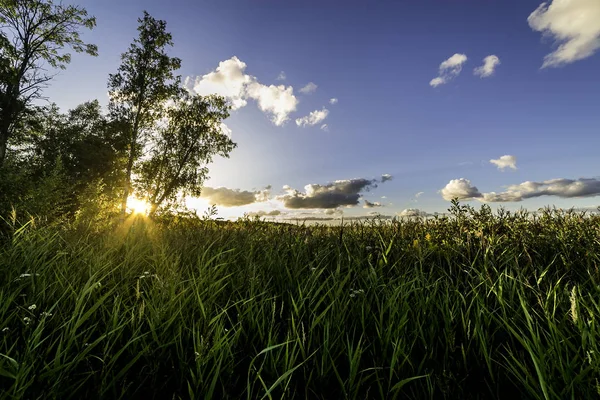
x: 476, y: 305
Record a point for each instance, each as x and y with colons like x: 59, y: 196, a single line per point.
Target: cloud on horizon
x: 226, y: 197
x: 561, y: 187
x: 369, y: 204
x: 412, y: 213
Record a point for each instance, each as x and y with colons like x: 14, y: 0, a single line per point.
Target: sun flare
x: 138, y: 206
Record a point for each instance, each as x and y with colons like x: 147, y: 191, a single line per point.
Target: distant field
x: 470, y: 306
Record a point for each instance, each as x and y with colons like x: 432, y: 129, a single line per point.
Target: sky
x: 355, y: 108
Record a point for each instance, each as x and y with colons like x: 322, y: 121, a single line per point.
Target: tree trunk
x: 3, y: 145
x: 127, y: 185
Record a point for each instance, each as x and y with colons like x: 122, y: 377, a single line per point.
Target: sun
x: 138, y: 206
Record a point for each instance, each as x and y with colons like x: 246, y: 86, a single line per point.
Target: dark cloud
x: 333, y: 195
x: 223, y: 196
x: 374, y: 204
x: 262, y: 213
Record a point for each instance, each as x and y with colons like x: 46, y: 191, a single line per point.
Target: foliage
x: 140, y: 89
x: 178, y: 159
x: 34, y: 36
x: 470, y: 306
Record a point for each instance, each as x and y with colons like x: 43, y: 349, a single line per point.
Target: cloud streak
x: 449, y: 69
x: 314, y: 118
x: 310, y: 87
x: 488, y: 68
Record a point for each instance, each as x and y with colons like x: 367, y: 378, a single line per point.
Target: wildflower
x: 428, y: 237
x: 416, y: 243
x: 6, y: 329
x: 46, y: 314
x: 573, y: 299
x: 27, y: 320
x: 32, y: 307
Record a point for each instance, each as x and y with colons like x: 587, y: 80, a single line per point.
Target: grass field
x: 471, y: 306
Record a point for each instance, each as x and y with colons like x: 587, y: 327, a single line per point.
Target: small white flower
x: 27, y: 320
x: 146, y: 273
x: 46, y: 314
x: 32, y: 307
x: 5, y: 329
x: 352, y: 295
x: 369, y: 248
x: 86, y: 344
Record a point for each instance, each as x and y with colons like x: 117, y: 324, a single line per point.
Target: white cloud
x: 230, y: 81
x: 573, y: 24
x: 325, y: 127
x: 278, y: 101
x: 313, y: 118
x: 281, y: 76
x: 489, y: 66
x: 309, y: 88
x: 461, y: 189
x: 333, y: 101
x: 435, y: 82
x: 419, y: 195
x: 505, y: 161
x: 226, y: 130
x: 449, y: 69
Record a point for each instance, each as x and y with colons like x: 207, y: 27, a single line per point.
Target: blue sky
x: 539, y: 104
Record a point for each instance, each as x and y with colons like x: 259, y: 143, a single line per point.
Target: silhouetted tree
x: 140, y: 89
x: 183, y: 148
x: 34, y: 35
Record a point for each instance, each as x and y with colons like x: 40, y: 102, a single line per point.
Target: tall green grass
x: 471, y: 306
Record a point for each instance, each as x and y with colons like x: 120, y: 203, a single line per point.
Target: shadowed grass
x: 472, y: 306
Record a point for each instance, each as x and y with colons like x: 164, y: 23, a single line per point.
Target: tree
x: 178, y: 160
x: 88, y: 145
x: 34, y: 35
x: 140, y: 89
